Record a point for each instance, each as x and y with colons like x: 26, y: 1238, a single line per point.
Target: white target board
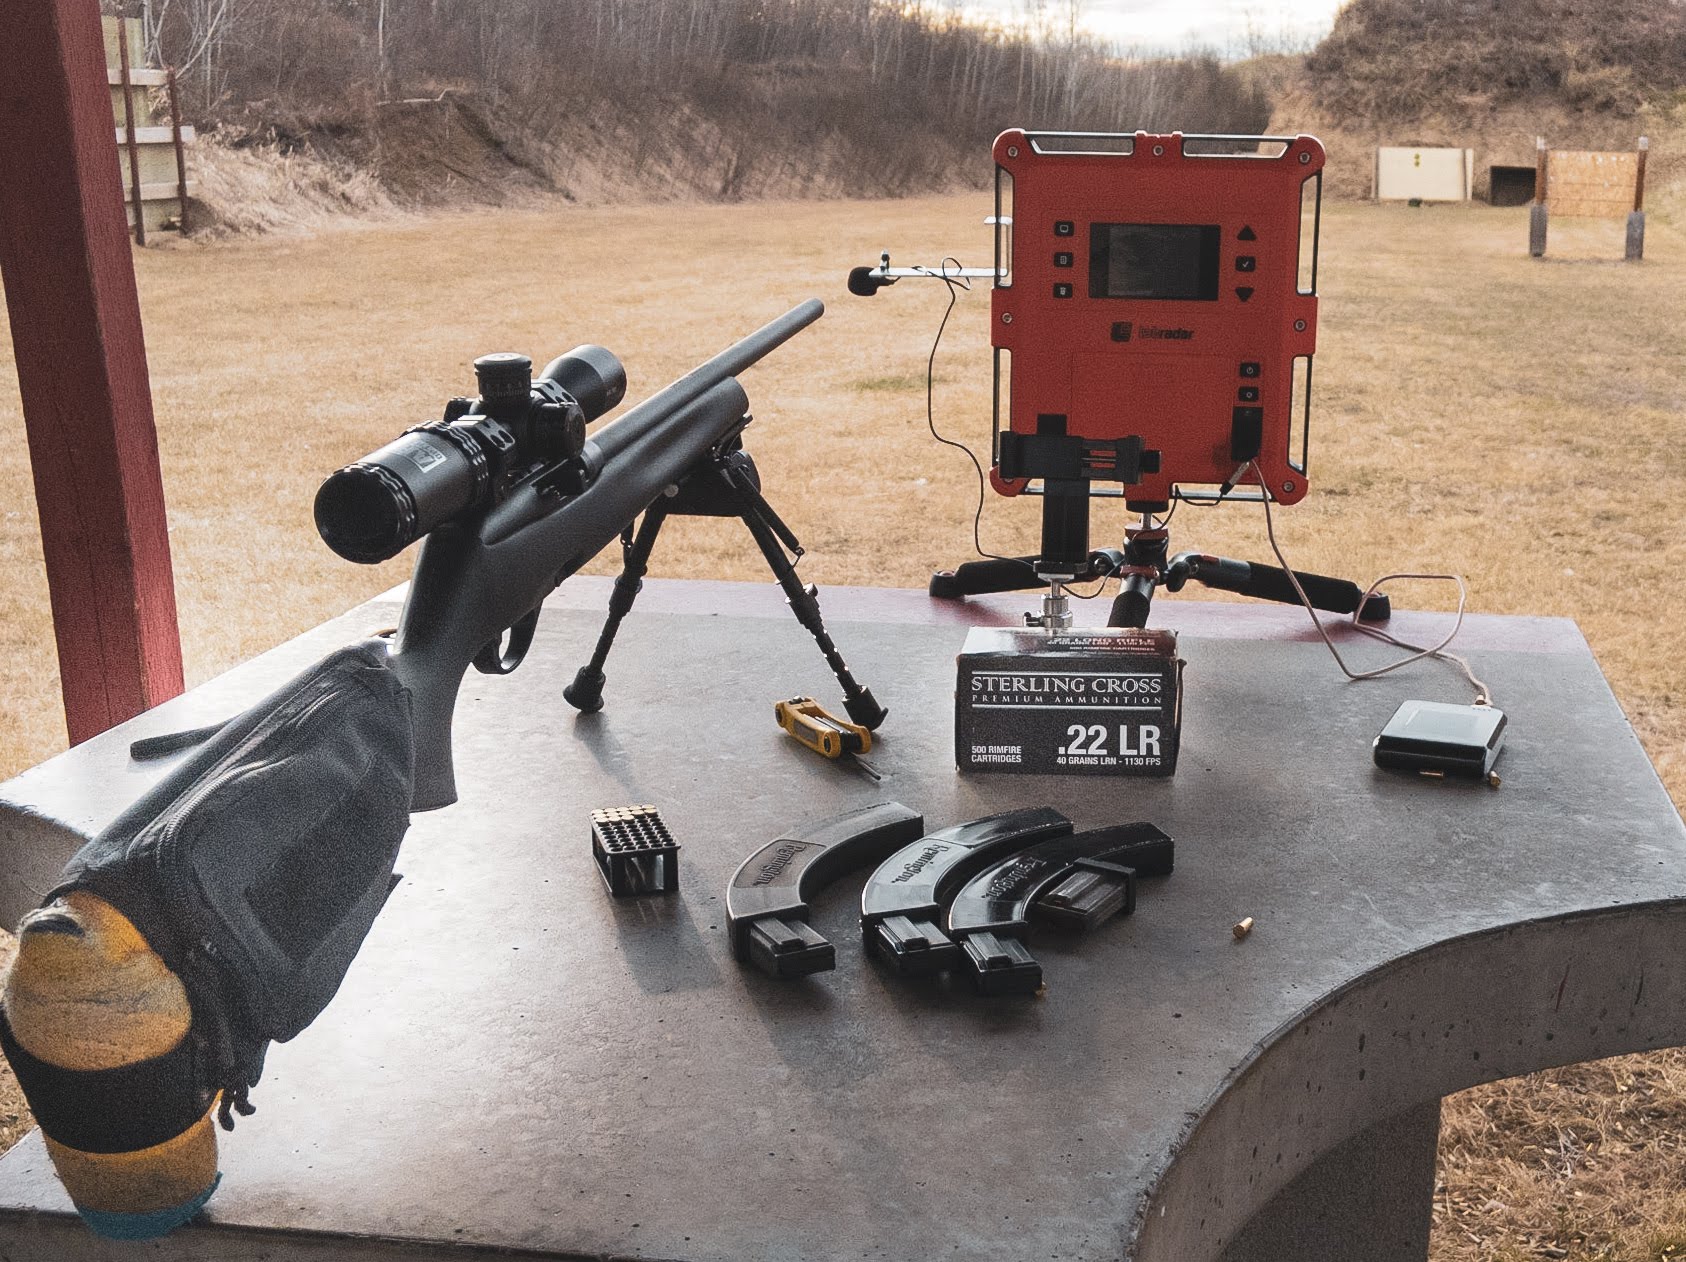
x: 1432, y: 175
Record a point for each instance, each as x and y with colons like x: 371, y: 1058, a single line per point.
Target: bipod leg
x: 586, y: 692
x: 759, y: 517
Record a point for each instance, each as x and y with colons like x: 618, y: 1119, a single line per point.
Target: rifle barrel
x: 619, y: 433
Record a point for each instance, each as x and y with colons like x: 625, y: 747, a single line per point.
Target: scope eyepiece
x: 592, y: 375
x: 374, y: 508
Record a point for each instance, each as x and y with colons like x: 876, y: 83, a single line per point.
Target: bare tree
x: 907, y: 91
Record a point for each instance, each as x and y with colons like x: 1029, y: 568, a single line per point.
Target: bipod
x: 727, y: 485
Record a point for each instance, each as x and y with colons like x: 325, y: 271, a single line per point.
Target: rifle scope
x: 376, y: 507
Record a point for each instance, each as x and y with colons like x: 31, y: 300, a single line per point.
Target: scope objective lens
x: 374, y: 509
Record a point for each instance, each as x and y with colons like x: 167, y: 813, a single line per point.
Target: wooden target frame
x: 1589, y: 184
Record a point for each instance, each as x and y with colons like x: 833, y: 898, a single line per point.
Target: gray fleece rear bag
x: 256, y: 867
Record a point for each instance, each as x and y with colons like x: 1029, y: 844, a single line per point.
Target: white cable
x: 1482, y: 695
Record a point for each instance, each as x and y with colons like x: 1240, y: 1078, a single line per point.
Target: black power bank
x: 1433, y: 737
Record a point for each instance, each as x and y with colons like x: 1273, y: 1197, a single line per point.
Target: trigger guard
x: 498, y: 658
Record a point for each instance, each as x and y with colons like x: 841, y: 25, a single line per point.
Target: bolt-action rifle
x: 513, y: 497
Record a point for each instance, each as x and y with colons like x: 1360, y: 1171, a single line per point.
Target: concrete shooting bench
x: 519, y: 1066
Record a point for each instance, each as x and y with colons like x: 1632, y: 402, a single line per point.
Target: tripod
x: 725, y: 485
x: 1144, y: 565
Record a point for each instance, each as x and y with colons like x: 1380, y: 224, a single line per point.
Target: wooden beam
x: 140, y: 76
x: 129, y: 128
x: 81, y: 360
x: 158, y: 191
x: 159, y: 135
x: 181, y: 156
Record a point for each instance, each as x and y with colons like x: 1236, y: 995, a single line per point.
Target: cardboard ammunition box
x: 1104, y: 702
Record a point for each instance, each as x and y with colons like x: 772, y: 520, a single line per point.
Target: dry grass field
x: 1517, y: 420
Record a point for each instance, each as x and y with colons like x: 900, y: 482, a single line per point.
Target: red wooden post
x: 87, y: 404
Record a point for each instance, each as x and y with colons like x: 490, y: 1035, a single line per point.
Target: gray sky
x: 1178, y: 24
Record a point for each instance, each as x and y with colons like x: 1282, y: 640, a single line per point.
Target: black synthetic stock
x: 471, y: 585
x: 476, y: 579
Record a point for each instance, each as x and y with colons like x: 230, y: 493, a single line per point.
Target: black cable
x: 1099, y: 588
x: 955, y: 285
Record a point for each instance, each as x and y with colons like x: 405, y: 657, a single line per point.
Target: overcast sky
x: 1179, y: 24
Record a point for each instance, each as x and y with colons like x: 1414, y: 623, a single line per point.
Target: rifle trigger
x: 498, y: 657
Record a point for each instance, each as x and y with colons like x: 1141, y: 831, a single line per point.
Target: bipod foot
x: 586, y: 692
x: 863, y: 708
x: 804, y: 601
x: 772, y: 536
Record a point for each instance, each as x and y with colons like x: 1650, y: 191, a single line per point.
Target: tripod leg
x: 586, y: 692
x: 978, y: 578
x: 1269, y: 582
x: 1133, y: 602
x: 1141, y: 569
x: 858, y: 701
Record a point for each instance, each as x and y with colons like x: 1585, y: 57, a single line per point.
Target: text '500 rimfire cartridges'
x: 767, y: 899
x: 903, y: 899
x: 1080, y: 881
